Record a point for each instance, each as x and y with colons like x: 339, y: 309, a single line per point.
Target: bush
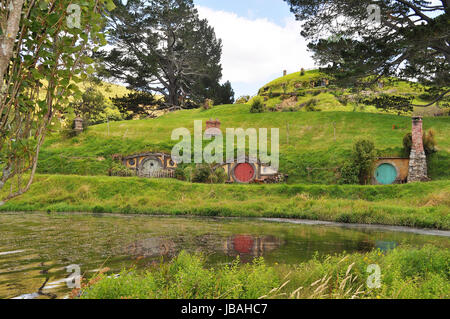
x: 310, y: 106
x: 429, y: 143
x: 349, y: 174
x: 243, y: 99
x: 208, y: 173
x: 360, y: 167
x: 208, y: 104
x: 257, y: 105
x: 118, y: 169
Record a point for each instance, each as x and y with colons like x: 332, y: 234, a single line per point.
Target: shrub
x: 429, y: 143
x: 208, y: 104
x: 257, y: 105
x: 118, y: 169
x: 310, y: 105
x: 208, y: 173
x: 243, y: 99
x: 349, y: 174
x: 360, y: 167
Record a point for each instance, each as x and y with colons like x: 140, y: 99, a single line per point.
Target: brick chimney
x: 213, y: 128
x: 418, y: 171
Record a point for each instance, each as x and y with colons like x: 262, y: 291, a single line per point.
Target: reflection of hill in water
x: 246, y: 246
x: 152, y: 247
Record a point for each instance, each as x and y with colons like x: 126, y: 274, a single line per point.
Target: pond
x: 36, y: 248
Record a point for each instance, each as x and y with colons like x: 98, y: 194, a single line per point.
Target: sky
x: 260, y: 39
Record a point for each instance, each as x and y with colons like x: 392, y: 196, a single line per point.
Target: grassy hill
x: 295, y: 90
x: 423, y: 205
x: 310, y: 153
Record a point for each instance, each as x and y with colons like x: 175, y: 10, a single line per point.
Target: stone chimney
x: 418, y: 171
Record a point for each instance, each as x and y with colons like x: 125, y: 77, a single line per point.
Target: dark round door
x: 244, y: 173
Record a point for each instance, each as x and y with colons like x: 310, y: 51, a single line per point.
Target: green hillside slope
x: 294, y: 91
x: 310, y: 150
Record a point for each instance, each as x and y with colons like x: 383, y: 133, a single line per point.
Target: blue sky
x: 274, y: 10
x: 260, y: 39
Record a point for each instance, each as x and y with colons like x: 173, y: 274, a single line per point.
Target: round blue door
x: 386, y: 174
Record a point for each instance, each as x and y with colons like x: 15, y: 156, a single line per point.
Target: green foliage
x: 118, y: 169
x: 90, y: 106
x: 310, y: 105
x: 406, y: 273
x: 187, y: 277
x: 208, y: 104
x: 243, y: 99
x: 420, y: 205
x: 429, y: 143
x: 397, y: 104
x: 257, y: 105
x: 181, y: 63
x: 135, y: 104
x: 48, y: 55
x: 355, y: 51
x: 208, y: 173
x: 360, y: 168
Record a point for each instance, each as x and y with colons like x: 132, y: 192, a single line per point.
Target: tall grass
x: 405, y: 273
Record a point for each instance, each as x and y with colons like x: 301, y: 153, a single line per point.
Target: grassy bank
x: 310, y: 152
x: 424, y: 205
x: 405, y: 273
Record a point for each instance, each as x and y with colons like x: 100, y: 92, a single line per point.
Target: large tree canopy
x: 409, y: 39
x: 163, y: 47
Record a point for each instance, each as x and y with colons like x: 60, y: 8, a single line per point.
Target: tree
x: 162, y: 47
x: 43, y: 51
x: 90, y: 106
x: 409, y: 39
x: 136, y: 103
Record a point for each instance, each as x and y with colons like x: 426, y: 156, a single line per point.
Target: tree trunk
x: 9, y: 35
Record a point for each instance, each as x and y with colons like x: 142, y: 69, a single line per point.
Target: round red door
x: 244, y: 172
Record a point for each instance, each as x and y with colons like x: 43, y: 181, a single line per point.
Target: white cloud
x: 256, y: 51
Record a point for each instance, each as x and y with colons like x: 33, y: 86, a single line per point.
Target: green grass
x: 311, y: 156
x: 328, y: 101
x: 424, y: 205
x: 406, y: 273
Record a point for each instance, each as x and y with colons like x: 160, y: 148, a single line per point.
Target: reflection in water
x: 37, y: 248
x: 152, y: 247
x: 386, y: 245
x: 247, y: 247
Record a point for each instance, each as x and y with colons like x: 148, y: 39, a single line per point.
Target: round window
x: 386, y: 174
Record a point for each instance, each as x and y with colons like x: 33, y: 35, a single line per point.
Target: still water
x: 36, y: 248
